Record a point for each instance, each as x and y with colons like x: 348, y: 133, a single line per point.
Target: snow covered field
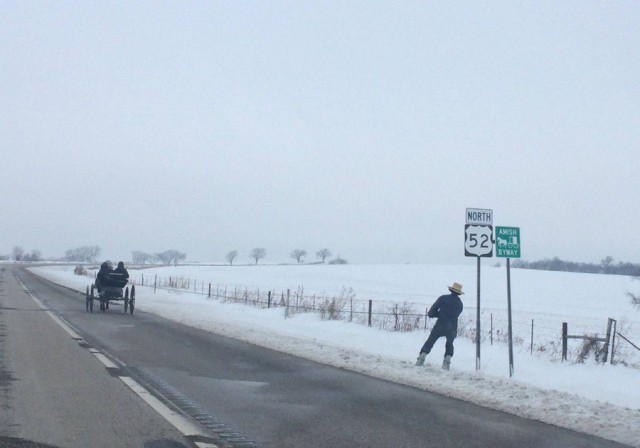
x: 603, y: 400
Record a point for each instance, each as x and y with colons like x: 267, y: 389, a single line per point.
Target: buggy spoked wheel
x: 132, y: 301
x: 86, y: 300
x: 126, y: 300
x: 90, y: 299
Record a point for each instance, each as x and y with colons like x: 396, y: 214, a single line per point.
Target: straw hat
x: 456, y: 287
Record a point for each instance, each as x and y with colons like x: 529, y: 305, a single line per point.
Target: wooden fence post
x: 532, y: 336
x: 565, y: 332
x: 269, y: 300
x: 370, y: 308
x: 286, y: 311
x: 605, y: 349
x: 613, y: 340
x: 395, y: 315
x: 426, y: 317
x: 351, y: 309
x: 491, y: 328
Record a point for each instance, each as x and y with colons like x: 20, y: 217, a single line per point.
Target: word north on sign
x: 479, y: 216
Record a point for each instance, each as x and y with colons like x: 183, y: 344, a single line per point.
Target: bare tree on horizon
x: 297, y: 254
x: 258, y: 253
x: 324, y: 253
x: 171, y: 256
x: 231, y: 256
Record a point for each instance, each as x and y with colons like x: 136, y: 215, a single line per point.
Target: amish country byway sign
x: 508, y: 242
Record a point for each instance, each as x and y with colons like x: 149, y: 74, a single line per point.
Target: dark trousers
x: 436, y: 333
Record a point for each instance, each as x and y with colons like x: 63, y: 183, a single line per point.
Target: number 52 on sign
x: 478, y: 241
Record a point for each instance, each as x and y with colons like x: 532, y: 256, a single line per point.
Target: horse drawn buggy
x: 111, y: 286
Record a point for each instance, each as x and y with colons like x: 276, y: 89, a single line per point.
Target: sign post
x: 508, y: 245
x: 478, y: 242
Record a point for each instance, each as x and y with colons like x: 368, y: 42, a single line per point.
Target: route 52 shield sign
x: 478, y: 241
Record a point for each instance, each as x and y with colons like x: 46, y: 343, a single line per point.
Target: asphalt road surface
x: 73, y: 388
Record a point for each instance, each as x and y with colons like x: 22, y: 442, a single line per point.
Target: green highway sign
x: 508, y: 242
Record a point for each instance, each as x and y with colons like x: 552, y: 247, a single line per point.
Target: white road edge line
x: 64, y: 326
x: 181, y: 423
x: 55, y: 318
x: 105, y: 361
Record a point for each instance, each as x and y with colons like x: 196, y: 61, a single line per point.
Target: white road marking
x: 65, y: 327
x: 180, y: 422
x: 106, y: 361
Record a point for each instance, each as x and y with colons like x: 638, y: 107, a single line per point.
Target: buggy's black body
x: 112, y: 287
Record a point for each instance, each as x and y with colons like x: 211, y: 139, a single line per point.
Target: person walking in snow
x: 446, y: 309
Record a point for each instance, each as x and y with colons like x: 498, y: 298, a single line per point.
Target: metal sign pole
x: 478, y: 243
x: 478, y: 322
x: 510, y: 323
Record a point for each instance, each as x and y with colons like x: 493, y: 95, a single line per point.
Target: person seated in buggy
x: 122, y: 270
x: 110, y: 281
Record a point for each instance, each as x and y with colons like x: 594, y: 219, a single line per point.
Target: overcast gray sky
x: 364, y: 127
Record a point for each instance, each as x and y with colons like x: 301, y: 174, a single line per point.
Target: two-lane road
x: 56, y: 393
x: 240, y: 395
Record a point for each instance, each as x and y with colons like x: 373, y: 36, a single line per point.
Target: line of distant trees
x: 170, y: 256
x: 90, y: 254
x: 297, y: 254
x: 84, y: 254
x: 19, y: 254
x: 606, y: 266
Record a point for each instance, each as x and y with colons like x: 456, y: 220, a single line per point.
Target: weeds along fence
x: 537, y: 333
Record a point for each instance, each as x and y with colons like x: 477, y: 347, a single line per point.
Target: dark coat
x: 447, y: 308
x: 102, y: 279
x: 122, y: 270
x: 108, y: 277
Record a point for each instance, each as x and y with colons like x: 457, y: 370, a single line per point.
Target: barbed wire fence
x: 538, y: 333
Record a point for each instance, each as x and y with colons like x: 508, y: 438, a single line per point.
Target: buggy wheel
x: 86, y: 300
x: 126, y: 300
x: 91, y: 297
x: 132, y: 301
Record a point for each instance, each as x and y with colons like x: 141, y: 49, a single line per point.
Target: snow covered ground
x: 603, y: 400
